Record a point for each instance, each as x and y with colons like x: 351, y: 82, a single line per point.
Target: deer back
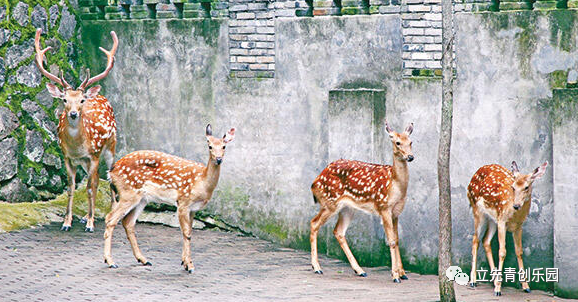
x: 156, y: 173
x: 493, y: 183
x: 358, y: 180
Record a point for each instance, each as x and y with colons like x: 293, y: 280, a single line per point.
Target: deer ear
x: 229, y: 136
x: 54, y: 91
x: 388, y: 129
x: 515, y: 167
x: 92, y: 92
x: 409, y: 129
x: 209, y: 130
x: 538, y: 172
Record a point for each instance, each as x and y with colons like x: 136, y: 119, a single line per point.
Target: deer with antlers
x: 345, y: 185
x: 500, y: 200
x: 142, y: 176
x: 86, y: 128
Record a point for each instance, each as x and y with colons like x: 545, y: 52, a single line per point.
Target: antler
x: 40, y: 60
x: 110, y: 63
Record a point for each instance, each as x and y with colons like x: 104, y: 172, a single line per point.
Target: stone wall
x: 31, y: 160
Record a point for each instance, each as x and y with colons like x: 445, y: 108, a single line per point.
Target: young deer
x: 500, y: 199
x: 86, y: 128
x: 345, y: 185
x: 141, y: 175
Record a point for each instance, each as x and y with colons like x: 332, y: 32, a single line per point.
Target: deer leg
x: 343, y: 222
x: 502, y: 253
x: 186, y: 228
x: 392, y: 242
x: 400, y: 269
x: 491, y: 230
x: 126, y: 203
x: 71, y: 172
x: 519, y: 252
x: 92, y: 186
x: 316, y: 223
x: 478, y: 231
x: 109, y: 160
x: 128, y: 222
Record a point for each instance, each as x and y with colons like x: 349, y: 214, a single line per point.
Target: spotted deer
x: 86, y: 128
x: 500, y: 200
x: 345, y: 185
x: 142, y: 176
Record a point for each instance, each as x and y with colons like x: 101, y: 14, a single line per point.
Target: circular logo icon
x: 462, y: 278
x: 452, y: 271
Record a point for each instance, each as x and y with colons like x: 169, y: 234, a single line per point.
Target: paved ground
x: 48, y: 265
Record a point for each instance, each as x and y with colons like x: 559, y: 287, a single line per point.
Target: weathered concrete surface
x: 48, y: 265
x: 498, y: 116
x: 165, y: 93
x: 565, y: 153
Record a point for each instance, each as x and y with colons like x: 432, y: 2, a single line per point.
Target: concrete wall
x: 171, y: 78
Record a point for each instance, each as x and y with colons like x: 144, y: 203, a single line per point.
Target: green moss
x: 563, y: 105
x: 526, y: 38
x: 562, y: 24
x: 16, y: 216
x: 558, y: 78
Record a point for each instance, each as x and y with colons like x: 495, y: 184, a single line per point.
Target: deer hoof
x: 497, y: 293
x: 148, y: 263
x: 363, y: 275
x: 89, y: 230
x: 65, y: 228
x: 527, y: 290
x: 473, y: 284
x: 319, y: 272
x: 113, y: 266
x: 404, y: 277
x: 396, y: 280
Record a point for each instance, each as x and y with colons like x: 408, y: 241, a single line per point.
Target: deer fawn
x: 345, y: 185
x: 86, y: 128
x: 500, y: 199
x: 141, y: 175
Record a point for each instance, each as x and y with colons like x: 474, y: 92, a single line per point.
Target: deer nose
x: 410, y: 158
x: 219, y: 160
x: 516, y: 207
x: 73, y: 115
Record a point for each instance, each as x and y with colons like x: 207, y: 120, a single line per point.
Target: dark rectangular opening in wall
x: 100, y: 11
x: 152, y: 10
x: 206, y: 9
x: 306, y: 11
x: 179, y: 7
x: 125, y: 11
x: 337, y: 3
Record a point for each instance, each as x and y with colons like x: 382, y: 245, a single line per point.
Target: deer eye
x: 526, y: 188
x: 82, y: 101
x: 398, y: 143
x: 224, y: 147
x: 64, y: 101
x: 210, y: 147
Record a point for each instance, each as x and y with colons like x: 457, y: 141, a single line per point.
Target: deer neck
x: 211, y: 175
x: 74, y: 132
x: 400, y: 174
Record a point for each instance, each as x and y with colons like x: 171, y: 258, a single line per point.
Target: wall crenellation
x: 252, y: 23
